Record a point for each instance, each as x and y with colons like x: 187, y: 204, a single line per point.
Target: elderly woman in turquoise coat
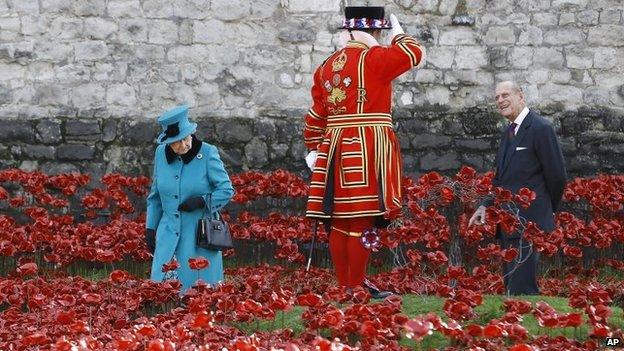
x: 189, y: 179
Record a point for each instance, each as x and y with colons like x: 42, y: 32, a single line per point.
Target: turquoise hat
x: 176, y: 125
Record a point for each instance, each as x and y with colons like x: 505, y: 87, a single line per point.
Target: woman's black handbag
x: 213, y: 233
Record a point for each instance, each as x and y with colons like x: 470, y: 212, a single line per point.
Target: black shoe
x: 374, y: 291
x: 376, y: 294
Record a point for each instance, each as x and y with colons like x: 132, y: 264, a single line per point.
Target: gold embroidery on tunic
x: 339, y: 62
x: 336, y: 96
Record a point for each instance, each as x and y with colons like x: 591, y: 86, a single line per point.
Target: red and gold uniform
x: 357, y: 175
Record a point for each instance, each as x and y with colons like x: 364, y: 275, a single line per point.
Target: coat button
x: 177, y: 215
x: 177, y: 233
x: 175, y: 196
x: 177, y: 177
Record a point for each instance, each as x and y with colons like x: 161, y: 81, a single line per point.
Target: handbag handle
x: 209, y: 209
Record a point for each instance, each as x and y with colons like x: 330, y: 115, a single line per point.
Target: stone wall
x: 81, y: 81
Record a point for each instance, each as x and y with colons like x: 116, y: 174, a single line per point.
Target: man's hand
x: 311, y: 159
x: 396, y: 27
x: 478, y: 217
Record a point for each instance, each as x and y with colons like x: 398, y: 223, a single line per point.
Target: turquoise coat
x: 172, y: 183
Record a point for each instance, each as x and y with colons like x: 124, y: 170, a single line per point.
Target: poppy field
x: 74, y: 268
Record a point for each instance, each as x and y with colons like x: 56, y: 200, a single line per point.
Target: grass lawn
x: 491, y: 308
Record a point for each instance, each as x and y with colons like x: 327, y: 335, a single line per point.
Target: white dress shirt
x: 520, y: 118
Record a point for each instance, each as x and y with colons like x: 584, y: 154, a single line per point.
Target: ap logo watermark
x: 614, y: 342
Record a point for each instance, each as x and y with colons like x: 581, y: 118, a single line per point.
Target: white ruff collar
x: 359, y: 36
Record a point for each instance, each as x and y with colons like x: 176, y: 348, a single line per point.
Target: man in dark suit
x: 529, y: 156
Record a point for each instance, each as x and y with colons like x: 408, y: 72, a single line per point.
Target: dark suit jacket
x: 533, y: 159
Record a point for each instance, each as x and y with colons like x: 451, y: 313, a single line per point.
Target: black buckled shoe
x: 374, y: 290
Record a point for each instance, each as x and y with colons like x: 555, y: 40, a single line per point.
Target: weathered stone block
x: 562, y: 93
x: 438, y: 95
x: 567, y: 18
x: 98, y: 28
x: 610, y: 16
x: 264, y: 9
x: 162, y: 32
x: 24, y: 6
x: 90, y: 50
x: 77, y: 129
x: 440, y: 57
x: 66, y: 28
x: 89, y: 96
x: 209, y: 32
x: 55, y: 6
x: 447, y: 7
x: 256, y: 153
x: 301, y: 33
x: 11, y: 71
x: 75, y: 152
x: 596, y: 96
x: 471, y: 57
x: 560, y: 77
x: 542, y: 19
x: 6, y: 93
x: 40, y: 72
x: 53, y: 168
x: 190, y: 53
x: 606, y: 35
x: 109, y: 130
x: 9, y: 29
x: 264, y: 129
x: 458, y: 36
x: 138, y: 132
x: 229, y: 131
x: 132, y: 30
x: 564, y: 36
x: 51, y: 94
x: 569, y: 3
x: 38, y: 152
x: 228, y: 11
x: 89, y: 7
x: 158, y: 8
x: 479, y: 123
x: 531, y: 36
x: 500, y: 36
x: 16, y: 130
x: 434, y: 162
x: 49, y: 131
x: 123, y: 8
x: 537, y: 76
x: 579, y: 58
x: 588, y: 17
x: 34, y: 25
x: 498, y: 56
x: 278, y: 151
x: 521, y: 57
x: 547, y: 58
x: 231, y: 157
x: 605, y: 57
x: 314, y: 6
x: 195, y: 9
x: 428, y: 141
x: 475, y: 144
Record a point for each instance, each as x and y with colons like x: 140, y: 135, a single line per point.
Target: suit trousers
x: 520, y: 275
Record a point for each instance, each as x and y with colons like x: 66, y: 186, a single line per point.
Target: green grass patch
x: 414, y: 305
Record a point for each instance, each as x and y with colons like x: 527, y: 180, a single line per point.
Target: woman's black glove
x: 192, y: 203
x: 150, y: 239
